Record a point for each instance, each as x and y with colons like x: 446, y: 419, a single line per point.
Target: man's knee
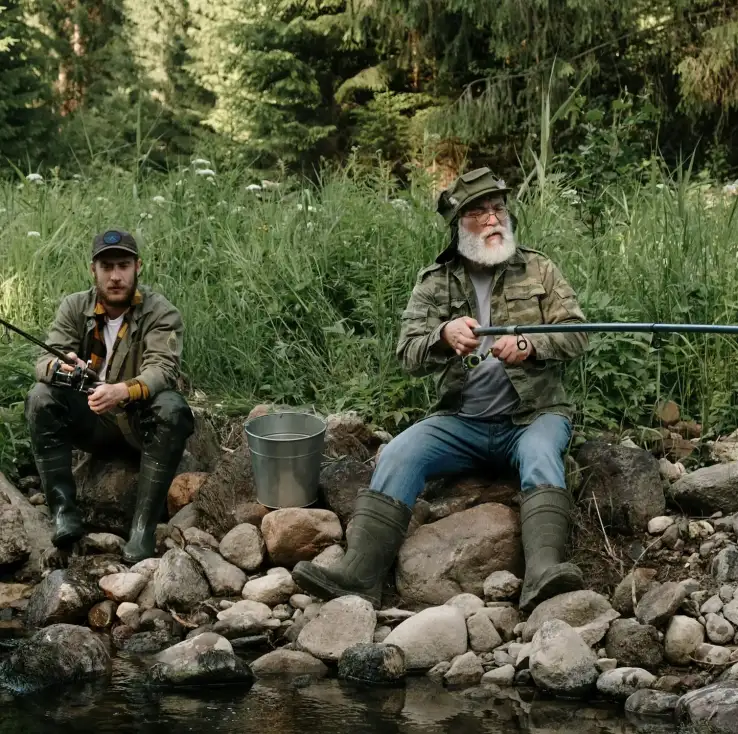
x: 169, y: 408
x: 541, y: 452
x: 39, y: 400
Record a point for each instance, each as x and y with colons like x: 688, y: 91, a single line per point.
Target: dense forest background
x: 287, y: 84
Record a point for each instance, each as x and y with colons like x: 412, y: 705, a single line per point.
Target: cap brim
x: 119, y: 247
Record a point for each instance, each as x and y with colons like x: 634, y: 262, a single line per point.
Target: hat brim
x: 119, y: 247
x: 480, y: 195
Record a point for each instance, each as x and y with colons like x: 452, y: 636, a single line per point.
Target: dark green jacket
x: 528, y: 289
x: 150, y: 351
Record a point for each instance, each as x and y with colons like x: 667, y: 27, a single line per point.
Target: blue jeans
x: 448, y: 444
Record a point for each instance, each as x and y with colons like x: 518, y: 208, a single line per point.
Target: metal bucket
x: 286, y: 451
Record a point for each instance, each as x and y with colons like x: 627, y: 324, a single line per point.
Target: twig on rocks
x: 610, y: 551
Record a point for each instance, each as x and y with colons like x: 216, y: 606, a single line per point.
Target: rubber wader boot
x: 377, y: 530
x: 154, y: 478
x: 55, y: 469
x: 544, y: 516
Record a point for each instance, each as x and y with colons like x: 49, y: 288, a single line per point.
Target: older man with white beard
x: 511, y: 409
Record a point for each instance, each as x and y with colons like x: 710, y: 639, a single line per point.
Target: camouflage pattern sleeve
x: 559, y: 306
x: 420, y: 348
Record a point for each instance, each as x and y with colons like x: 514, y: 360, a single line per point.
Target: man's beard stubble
x: 119, y: 299
x: 474, y: 248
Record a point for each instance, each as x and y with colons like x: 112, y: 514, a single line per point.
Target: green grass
x: 294, y: 294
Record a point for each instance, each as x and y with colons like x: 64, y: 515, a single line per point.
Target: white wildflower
x: 731, y: 188
x: 37, y: 177
x: 179, y: 183
x: 158, y: 200
x: 400, y: 204
x: 146, y: 215
x: 78, y: 176
x: 310, y: 225
x: 222, y: 203
x: 205, y: 172
x: 270, y: 184
x: 34, y: 234
x: 253, y: 187
x: 100, y: 198
x: 237, y: 210
x: 201, y: 162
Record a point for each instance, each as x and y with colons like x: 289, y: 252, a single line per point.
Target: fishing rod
x: 82, y: 378
x: 472, y: 360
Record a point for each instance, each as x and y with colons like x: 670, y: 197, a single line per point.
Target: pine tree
x: 25, y: 117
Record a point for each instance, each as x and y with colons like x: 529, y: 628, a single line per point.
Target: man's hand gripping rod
x: 81, y: 379
x: 472, y: 360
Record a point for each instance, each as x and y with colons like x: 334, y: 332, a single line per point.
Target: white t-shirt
x: 111, y: 331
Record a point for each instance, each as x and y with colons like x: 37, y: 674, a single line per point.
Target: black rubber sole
x: 310, y: 579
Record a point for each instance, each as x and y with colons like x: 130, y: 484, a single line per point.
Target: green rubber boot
x: 154, y: 480
x: 55, y: 469
x: 544, y: 516
x: 377, y: 530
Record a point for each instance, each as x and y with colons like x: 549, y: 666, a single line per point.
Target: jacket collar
x: 95, y: 308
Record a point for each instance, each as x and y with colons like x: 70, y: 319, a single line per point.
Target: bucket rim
x: 320, y: 432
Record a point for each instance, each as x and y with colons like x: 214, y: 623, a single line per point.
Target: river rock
x: 392, y: 615
x: 647, y: 702
x: 205, y: 659
x: 433, y: 635
x: 272, y: 589
x: 707, y: 490
x: 505, y: 620
x: 122, y: 587
x: 129, y: 614
x: 724, y: 566
x: 593, y: 632
x: 502, y: 676
x: 14, y: 543
x: 145, y: 643
x: 288, y: 662
x: 102, y: 543
x: 501, y: 586
x: 468, y: 603
x: 62, y: 597
x: 296, y: 534
x: 624, y: 484
x: 146, y: 568
x: 660, y: 603
x: 183, y: 490
x: 683, y: 636
x: 329, y: 557
x: 13, y: 596
x: 622, y: 682
x: 179, y: 582
x: 244, y: 546
x: 195, y: 536
x: 102, y: 615
x: 303, y: 601
x: 657, y: 525
x: 483, y: 637
x: 639, y: 582
x: 456, y: 554
x: 713, y: 708
x: 712, y: 606
x: 708, y: 654
x: 634, y: 644
x: 561, y: 662
x: 576, y: 608
x: 224, y: 578
x: 466, y: 670
x: 719, y: 630
x: 243, y: 618
x: 57, y: 654
x: 381, y: 633
x: 372, y: 663
x: 340, y: 623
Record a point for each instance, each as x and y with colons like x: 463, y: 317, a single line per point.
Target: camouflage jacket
x: 528, y: 289
x: 149, y: 353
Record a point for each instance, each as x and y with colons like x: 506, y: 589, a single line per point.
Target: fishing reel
x: 470, y: 361
x: 79, y: 379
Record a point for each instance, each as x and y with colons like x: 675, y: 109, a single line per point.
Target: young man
x: 132, y: 337
x: 510, y: 408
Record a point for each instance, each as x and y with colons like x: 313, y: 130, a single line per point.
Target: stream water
x: 123, y: 705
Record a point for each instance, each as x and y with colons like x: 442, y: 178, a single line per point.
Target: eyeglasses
x: 482, y: 215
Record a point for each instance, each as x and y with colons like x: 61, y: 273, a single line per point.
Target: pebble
x: 605, y: 664
x: 712, y: 606
x: 503, y: 676
x: 700, y: 529
x: 657, y: 525
x: 300, y: 601
x: 719, y: 630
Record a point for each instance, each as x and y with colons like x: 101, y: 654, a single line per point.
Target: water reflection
x: 274, y: 706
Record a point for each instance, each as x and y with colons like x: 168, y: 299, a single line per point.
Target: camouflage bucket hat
x: 466, y: 189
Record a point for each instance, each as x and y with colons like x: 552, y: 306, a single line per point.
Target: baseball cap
x: 114, y: 239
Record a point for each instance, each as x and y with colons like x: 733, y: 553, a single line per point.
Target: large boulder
x: 456, y: 554
x: 107, y: 482
x: 623, y: 483
x: 61, y: 653
x: 340, y: 482
x: 455, y: 493
x: 713, y: 708
x: 707, y: 490
x: 298, y: 534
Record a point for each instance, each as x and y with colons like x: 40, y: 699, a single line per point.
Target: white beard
x: 474, y: 248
